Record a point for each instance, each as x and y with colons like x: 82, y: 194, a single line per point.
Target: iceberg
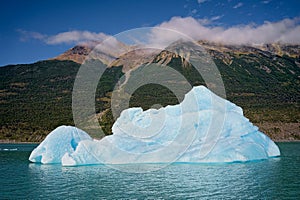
x: 64, y: 139
x: 203, y: 128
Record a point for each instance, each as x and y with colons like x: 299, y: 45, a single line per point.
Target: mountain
x: 263, y: 79
x: 217, y: 50
x: 76, y: 54
x: 107, y: 52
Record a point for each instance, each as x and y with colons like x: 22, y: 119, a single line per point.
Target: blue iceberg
x: 62, y: 140
x: 203, y: 128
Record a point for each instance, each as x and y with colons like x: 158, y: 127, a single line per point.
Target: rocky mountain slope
x: 217, y: 50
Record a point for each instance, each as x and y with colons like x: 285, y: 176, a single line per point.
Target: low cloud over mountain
x: 284, y: 31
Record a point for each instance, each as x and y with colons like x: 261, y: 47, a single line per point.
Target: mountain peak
x: 77, y: 53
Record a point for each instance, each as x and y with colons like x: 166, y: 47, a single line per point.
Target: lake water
x: 277, y: 178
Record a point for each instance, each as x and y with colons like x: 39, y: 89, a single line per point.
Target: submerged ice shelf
x: 204, y: 128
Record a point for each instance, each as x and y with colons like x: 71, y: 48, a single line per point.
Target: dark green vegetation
x: 36, y: 98
x: 269, y: 95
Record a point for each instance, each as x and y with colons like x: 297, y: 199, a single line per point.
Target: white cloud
x: 240, y: 4
x: 214, y: 18
x: 209, y: 21
x: 204, y: 21
x: 68, y: 37
x: 202, y: 1
x: 285, y: 31
x: 266, y: 1
x: 75, y: 37
x: 194, y: 11
x: 26, y: 35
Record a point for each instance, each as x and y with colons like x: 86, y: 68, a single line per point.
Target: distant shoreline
x: 15, y: 142
x: 286, y: 140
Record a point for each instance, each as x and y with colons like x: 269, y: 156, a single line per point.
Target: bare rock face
x: 76, y: 54
x: 130, y: 60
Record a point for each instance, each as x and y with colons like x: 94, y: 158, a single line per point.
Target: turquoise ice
x: 203, y: 128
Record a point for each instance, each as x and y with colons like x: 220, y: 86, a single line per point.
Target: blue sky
x: 28, y: 28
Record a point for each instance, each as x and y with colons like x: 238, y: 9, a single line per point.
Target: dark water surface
x: 277, y: 178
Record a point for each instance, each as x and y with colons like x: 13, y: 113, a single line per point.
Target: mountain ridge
x: 80, y: 52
